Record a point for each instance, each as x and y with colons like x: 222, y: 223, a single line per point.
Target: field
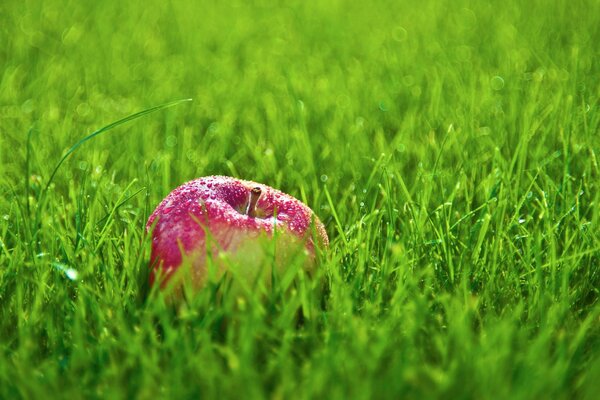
x: 451, y: 149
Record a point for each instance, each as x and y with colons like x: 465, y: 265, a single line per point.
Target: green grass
x: 450, y: 149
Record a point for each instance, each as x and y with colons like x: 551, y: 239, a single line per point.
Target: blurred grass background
x: 450, y: 148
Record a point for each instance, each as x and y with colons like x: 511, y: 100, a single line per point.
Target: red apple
x: 229, y: 220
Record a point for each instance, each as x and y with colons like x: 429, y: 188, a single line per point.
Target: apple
x: 224, y: 221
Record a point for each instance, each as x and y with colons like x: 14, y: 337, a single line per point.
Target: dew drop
x: 497, y: 83
x: 171, y: 141
x: 71, y: 274
x: 399, y: 34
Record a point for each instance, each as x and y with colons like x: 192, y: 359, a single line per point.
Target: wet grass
x: 452, y: 154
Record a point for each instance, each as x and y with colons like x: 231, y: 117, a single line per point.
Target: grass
x: 450, y: 149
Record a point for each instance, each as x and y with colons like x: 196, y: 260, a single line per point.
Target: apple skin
x: 213, y: 213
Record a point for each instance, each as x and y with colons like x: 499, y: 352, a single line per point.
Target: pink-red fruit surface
x: 209, y: 217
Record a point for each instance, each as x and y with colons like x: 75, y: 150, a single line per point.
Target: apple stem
x: 254, y: 195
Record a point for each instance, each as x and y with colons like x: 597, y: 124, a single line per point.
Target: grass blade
x: 106, y: 128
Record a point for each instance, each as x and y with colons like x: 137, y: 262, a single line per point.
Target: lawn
x: 450, y: 148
